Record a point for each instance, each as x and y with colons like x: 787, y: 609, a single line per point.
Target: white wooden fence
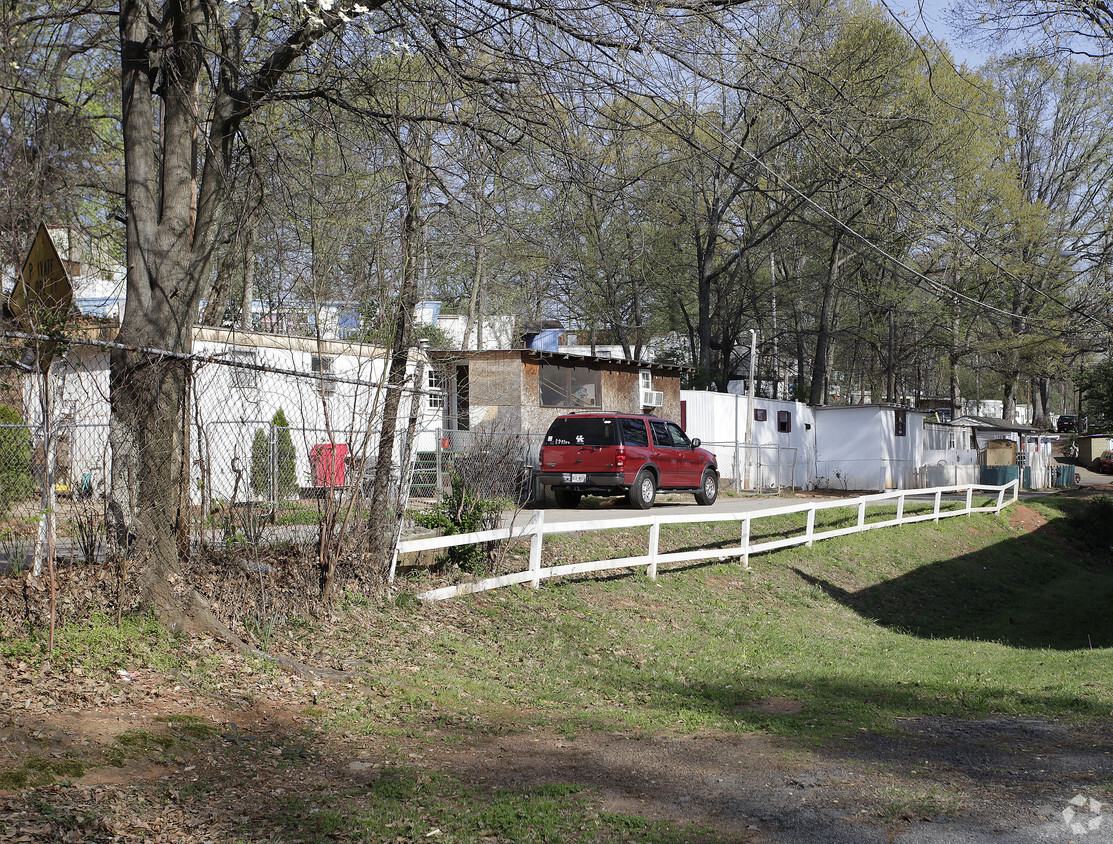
x: 537, y: 530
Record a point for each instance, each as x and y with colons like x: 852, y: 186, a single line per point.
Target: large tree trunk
x: 1041, y: 401
x: 1008, y: 411
x: 166, y: 258
x: 148, y: 397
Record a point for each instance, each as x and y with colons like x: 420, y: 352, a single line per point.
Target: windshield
x: 588, y: 431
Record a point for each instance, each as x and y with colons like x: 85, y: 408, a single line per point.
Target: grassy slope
x: 968, y: 617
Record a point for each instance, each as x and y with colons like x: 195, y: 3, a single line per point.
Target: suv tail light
x: 620, y: 457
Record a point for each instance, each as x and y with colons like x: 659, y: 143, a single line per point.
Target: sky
x: 929, y: 16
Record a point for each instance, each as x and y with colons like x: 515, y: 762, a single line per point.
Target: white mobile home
x: 331, y: 393
x: 871, y: 446
x: 770, y: 446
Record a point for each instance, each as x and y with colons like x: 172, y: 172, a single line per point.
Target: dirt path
x: 162, y: 762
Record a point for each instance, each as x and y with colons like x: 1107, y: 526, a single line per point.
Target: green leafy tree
x: 1096, y: 383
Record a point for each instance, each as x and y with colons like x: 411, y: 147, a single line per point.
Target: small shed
x: 1008, y: 451
x: 1091, y: 448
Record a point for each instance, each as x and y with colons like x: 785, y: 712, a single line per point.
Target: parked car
x: 1066, y: 424
x: 1105, y: 462
x: 624, y: 454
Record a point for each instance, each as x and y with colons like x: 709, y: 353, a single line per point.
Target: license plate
x: 575, y: 479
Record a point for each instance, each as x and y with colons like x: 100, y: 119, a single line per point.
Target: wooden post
x: 900, y: 508
x: 938, y: 499
x: 745, y: 543
x: 654, y: 544
x: 811, y: 527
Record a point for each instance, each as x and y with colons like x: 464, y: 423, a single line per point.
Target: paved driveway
x: 617, y: 508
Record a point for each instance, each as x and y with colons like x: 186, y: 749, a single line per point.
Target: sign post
x: 41, y: 302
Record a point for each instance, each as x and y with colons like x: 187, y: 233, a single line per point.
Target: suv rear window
x: 574, y: 431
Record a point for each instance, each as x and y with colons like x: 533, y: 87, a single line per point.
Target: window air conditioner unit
x: 652, y: 398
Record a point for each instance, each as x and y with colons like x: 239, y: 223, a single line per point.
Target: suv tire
x: 643, y: 492
x: 708, y: 488
x: 567, y: 498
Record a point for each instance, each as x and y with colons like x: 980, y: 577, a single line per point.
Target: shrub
x: 16, y: 480
x: 1091, y: 521
x: 261, y: 463
x: 285, y: 458
x: 463, y: 512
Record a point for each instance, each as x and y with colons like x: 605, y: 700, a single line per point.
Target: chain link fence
x: 498, y: 464
x: 268, y: 441
x: 754, y: 467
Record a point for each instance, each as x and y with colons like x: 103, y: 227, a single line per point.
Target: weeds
x: 16, y: 549
x: 90, y: 531
x: 265, y: 629
x: 253, y: 523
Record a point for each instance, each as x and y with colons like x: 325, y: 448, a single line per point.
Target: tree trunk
x: 1041, y: 401
x: 1008, y: 411
x: 383, y: 516
x: 148, y: 402
x: 823, y: 329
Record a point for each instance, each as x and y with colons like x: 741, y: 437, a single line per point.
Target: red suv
x: 624, y: 454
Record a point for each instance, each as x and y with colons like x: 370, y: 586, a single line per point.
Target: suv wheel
x: 708, y: 488
x: 567, y: 497
x: 644, y: 491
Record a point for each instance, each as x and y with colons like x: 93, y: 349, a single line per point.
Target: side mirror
x: 695, y: 442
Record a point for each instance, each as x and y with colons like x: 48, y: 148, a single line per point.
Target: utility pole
x: 750, y: 410
x: 776, y: 359
x: 889, y: 390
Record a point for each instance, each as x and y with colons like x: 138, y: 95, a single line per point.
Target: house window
x: 242, y: 377
x: 321, y: 366
x: 434, y: 384
x: 760, y: 414
x: 901, y: 422
x: 646, y: 379
x: 784, y: 421
x: 569, y: 386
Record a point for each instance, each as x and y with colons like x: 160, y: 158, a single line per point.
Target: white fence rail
x: 537, y: 530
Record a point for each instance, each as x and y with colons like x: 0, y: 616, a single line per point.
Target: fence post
x: 938, y: 499
x: 1000, y: 498
x: 537, y: 528
x: 811, y: 526
x: 969, y: 500
x: 744, y: 541
x: 900, y: 508
x: 861, y: 514
x: 736, y: 469
x: 437, y: 462
x: 654, y: 544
